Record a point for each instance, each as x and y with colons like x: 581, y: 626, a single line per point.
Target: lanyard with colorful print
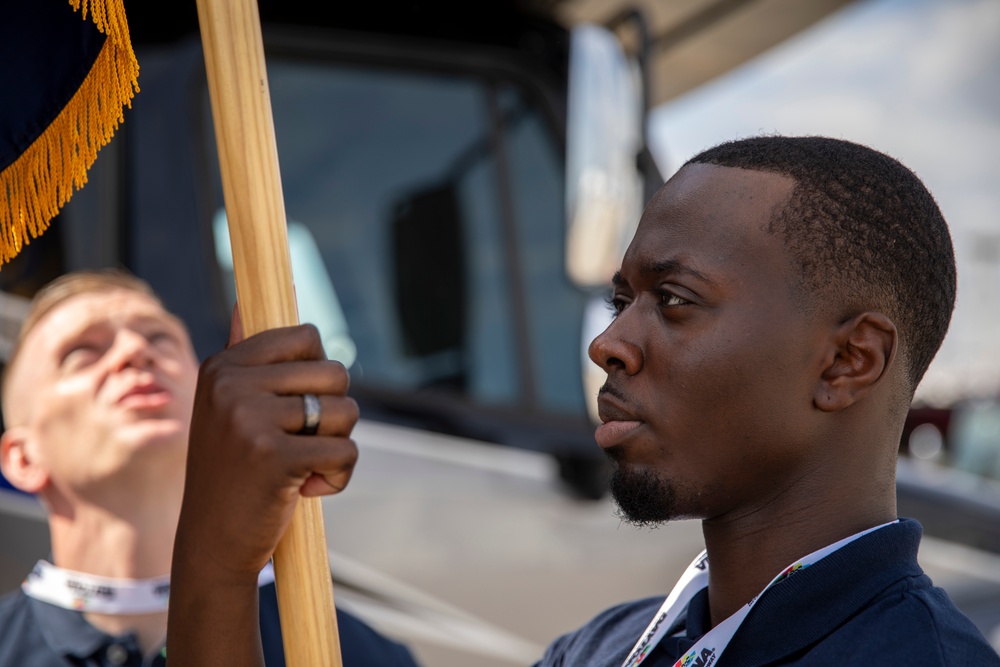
x: 707, y: 650
x: 104, y: 595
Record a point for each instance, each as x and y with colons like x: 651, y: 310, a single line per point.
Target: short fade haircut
x: 67, y: 286
x: 864, y: 231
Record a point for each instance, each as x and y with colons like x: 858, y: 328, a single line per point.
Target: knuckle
x: 337, y: 482
x: 310, y: 331
x: 209, y: 368
x: 299, y: 342
x: 311, y: 340
x: 351, y: 453
x: 262, y: 447
x: 344, y: 416
x: 217, y: 374
x: 339, y: 377
x: 351, y: 409
x: 338, y: 479
x: 224, y: 381
x: 242, y: 416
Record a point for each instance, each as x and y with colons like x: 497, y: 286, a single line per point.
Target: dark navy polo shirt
x: 868, y: 603
x: 38, y: 634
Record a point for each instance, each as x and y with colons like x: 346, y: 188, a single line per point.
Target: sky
x: 917, y: 79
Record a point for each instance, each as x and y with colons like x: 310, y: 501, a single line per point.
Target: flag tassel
x: 42, y: 179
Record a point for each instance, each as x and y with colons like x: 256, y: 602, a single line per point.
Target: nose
x: 131, y: 349
x: 612, y: 350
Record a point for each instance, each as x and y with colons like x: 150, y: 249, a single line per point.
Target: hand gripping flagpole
x: 248, y: 159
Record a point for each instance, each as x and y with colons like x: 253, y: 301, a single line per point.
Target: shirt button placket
x: 117, y: 655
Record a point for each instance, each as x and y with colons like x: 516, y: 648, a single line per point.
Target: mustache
x: 611, y: 390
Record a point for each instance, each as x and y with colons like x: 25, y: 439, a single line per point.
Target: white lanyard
x: 104, y: 595
x: 708, y: 649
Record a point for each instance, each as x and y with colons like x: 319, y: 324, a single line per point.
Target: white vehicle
x: 459, y: 185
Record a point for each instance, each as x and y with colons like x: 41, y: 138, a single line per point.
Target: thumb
x: 235, y: 326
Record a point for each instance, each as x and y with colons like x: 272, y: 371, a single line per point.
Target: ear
x: 19, y: 462
x: 861, y: 351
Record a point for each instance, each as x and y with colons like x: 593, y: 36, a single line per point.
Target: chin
x: 644, y: 499
x: 158, y: 433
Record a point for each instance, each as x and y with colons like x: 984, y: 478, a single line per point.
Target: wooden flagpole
x: 248, y: 159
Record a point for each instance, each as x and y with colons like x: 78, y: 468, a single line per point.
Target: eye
x: 669, y: 299
x: 162, y: 339
x: 616, y: 304
x: 80, y: 356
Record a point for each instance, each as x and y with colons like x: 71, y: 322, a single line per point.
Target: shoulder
x: 912, y: 623
x: 867, y: 603
x: 15, y: 614
x: 10, y: 603
x: 360, y: 644
x: 909, y: 620
x: 945, y: 631
x: 915, y: 621
x: 21, y: 640
x: 604, y: 640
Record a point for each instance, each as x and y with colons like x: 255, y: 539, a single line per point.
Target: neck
x: 150, y: 630
x: 747, y: 551
x: 126, y: 540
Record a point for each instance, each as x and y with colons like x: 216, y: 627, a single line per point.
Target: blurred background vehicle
x: 460, y: 185
x: 460, y: 181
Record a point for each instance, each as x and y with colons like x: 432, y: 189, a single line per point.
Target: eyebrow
x: 74, y: 333
x: 669, y: 266
x: 142, y: 319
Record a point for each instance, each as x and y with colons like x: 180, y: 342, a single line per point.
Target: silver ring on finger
x: 313, y: 413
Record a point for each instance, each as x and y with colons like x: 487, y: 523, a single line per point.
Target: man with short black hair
x: 775, y: 311
x: 97, y: 400
x: 780, y: 301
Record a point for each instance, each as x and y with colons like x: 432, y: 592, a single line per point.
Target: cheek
x: 728, y: 389
x: 185, y: 377
x: 711, y: 376
x: 187, y: 396
x: 67, y: 430
x: 67, y: 406
x: 759, y: 402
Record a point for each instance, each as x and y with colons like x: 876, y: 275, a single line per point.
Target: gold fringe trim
x: 42, y: 179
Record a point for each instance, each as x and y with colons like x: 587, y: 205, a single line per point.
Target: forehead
x: 714, y: 220
x: 85, y: 312
x: 38, y: 353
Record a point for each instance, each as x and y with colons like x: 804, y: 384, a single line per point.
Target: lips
x: 618, y: 424
x: 145, y: 396
x: 610, y: 434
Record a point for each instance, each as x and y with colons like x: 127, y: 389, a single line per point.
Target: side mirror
x: 604, y: 138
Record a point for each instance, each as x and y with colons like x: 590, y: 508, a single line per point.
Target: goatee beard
x: 644, y: 500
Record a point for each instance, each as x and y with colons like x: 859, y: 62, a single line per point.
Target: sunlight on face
x: 103, y: 380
